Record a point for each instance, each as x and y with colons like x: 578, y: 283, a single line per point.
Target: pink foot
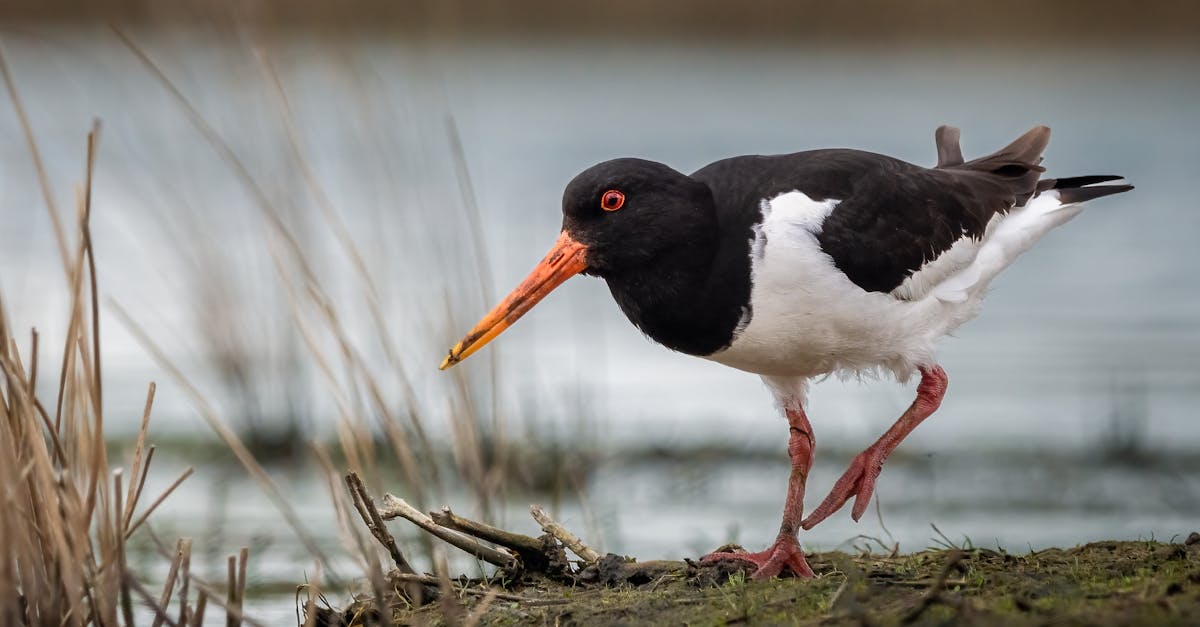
x: 771, y: 562
x: 858, y: 481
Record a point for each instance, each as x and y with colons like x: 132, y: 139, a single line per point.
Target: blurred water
x: 1091, y: 338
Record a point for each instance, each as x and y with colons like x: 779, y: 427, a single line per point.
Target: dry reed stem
x: 231, y: 593
x: 312, y: 592
x: 126, y: 598
x: 158, y: 501
x: 164, y: 600
x: 185, y: 549
x: 394, y: 507
x: 138, y: 479
x: 160, y: 612
x: 243, y: 559
x: 568, y: 539
x: 137, y: 494
x: 205, y: 589
x: 201, y: 605
x: 33, y: 362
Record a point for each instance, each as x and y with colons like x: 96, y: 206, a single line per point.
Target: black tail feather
x: 1077, y: 189
x: 1076, y: 181
x: 1083, y: 194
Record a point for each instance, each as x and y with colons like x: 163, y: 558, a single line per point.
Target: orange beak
x: 564, y: 261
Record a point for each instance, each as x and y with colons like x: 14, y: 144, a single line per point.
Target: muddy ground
x: 1103, y: 583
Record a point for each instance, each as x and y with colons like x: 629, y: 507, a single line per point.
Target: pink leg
x: 785, y: 552
x: 859, y: 479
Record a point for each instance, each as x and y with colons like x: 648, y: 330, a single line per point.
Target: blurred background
x: 300, y: 205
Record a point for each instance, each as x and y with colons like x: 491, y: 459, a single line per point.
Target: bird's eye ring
x: 612, y: 200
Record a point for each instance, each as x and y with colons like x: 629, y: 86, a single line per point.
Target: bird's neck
x: 692, y: 298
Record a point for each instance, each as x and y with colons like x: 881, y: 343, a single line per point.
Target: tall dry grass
x: 67, y: 510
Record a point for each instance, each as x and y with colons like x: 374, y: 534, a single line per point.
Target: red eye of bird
x: 612, y: 200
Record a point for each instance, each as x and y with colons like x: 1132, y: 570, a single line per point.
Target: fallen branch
x: 532, y: 551
x: 394, y: 507
x: 569, y: 540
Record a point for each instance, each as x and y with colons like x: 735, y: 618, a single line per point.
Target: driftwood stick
x: 569, y: 540
x: 530, y: 549
x: 394, y: 507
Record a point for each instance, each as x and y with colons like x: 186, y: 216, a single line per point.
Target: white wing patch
x: 1004, y: 241
x: 797, y: 209
x: 938, y: 269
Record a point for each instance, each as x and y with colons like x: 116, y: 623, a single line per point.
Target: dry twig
x: 530, y: 550
x: 370, y: 515
x: 569, y: 540
x: 394, y: 507
x: 371, y: 518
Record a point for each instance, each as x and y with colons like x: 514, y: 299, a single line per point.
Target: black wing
x: 895, y: 221
x: 893, y: 216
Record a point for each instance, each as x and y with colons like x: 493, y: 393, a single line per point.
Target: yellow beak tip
x: 451, y: 359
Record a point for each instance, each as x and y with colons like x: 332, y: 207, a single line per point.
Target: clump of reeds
x: 67, y: 512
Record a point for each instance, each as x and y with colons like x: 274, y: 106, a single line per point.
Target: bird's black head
x: 630, y: 212
x: 624, y: 220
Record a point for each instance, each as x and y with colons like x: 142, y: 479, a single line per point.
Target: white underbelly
x: 808, y: 319
x: 823, y: 324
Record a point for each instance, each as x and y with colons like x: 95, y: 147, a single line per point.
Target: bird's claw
x: 858, y: 481
x: 770, y: 563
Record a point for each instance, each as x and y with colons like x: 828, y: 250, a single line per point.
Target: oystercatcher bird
x: 801, y: 265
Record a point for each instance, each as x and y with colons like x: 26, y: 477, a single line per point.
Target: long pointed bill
x: 563, y: 261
